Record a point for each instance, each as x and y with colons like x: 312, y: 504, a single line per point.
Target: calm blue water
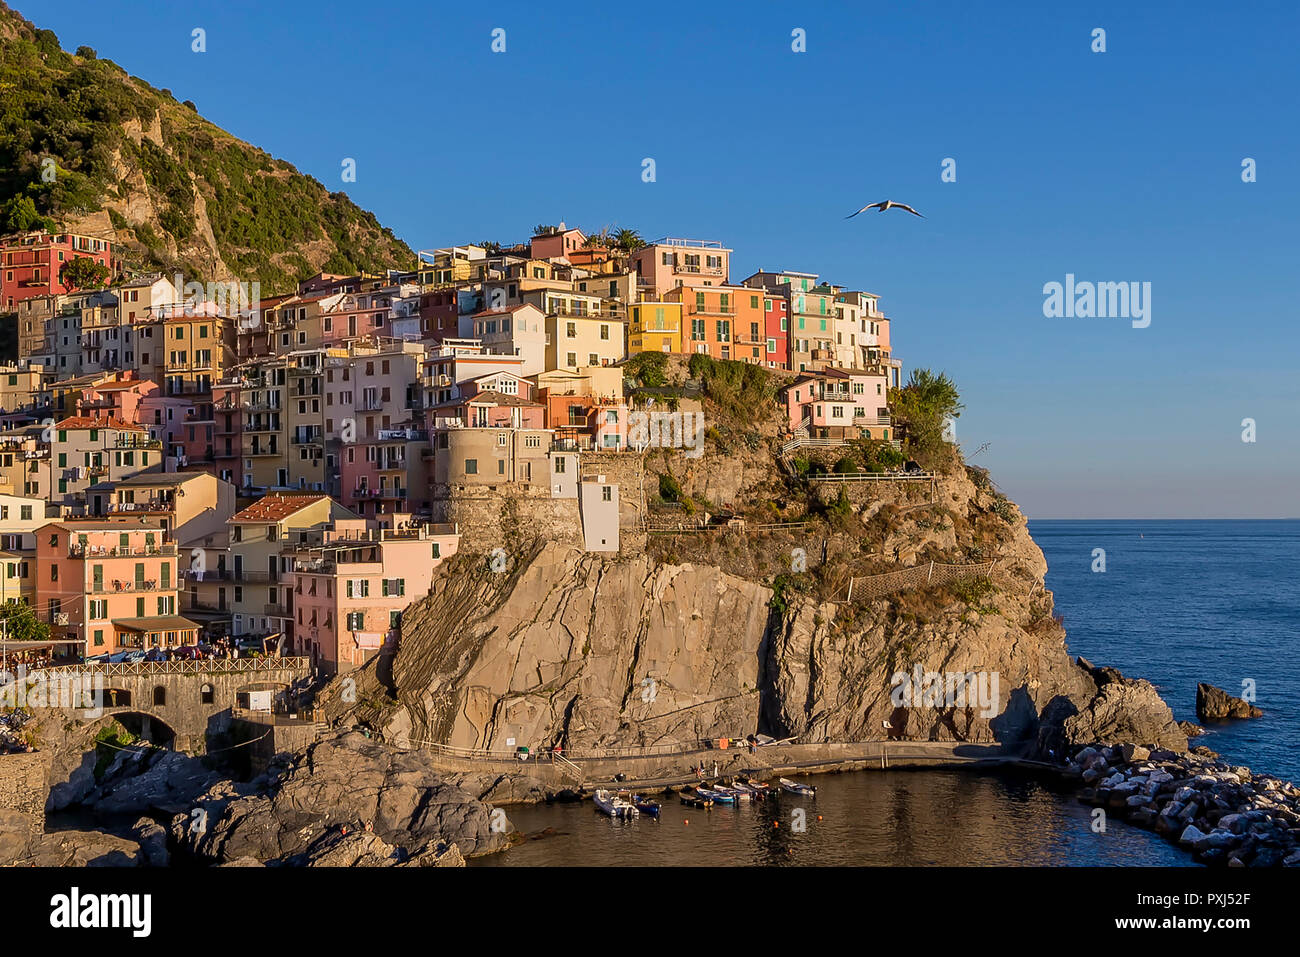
x: 1188, y: 601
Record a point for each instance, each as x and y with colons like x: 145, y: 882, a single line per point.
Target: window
x: 607, y: 494
x: 471, y: 466
x: 560, y: 465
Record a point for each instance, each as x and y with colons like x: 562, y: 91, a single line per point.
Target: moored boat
x: 646, y: 806
x: 716, y: 796
x: 794, y: 787
x: 615, y: 805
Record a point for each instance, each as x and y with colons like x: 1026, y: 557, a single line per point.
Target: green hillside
x: 131, y: 162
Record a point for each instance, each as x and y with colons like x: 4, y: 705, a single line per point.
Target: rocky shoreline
x: 1224, y: 815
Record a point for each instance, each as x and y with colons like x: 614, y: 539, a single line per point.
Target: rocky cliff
x: 578, y: 650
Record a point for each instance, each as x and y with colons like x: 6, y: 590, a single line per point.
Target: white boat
x: 795, y: 788
x: 615, y: 805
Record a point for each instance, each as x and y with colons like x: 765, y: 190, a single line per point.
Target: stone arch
x: 143, y: 722
x: 117, y: 697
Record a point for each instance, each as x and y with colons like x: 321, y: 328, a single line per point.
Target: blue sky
x: 1115, y: 166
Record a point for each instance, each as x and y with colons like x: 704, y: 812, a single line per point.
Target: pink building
x: 387, y: 473
x: 350, y: 588
x: 839, y: 403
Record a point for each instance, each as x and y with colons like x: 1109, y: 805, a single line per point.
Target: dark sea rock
x: 1215, y: 704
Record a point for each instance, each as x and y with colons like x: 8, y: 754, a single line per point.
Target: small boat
x: 691, y: 800
x: 748, y: 790
x: 741, y: 794
x: 794, y: 787
x: 761, y: 788
x: 646, y: 806
x: 615, y: 805
x: 716, y: 796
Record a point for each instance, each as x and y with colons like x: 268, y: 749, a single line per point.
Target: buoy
x: 776, y: 823
x: 686, y: 822
x: 819, y: 817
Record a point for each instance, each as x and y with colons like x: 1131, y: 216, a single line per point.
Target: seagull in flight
x: 884, y: 205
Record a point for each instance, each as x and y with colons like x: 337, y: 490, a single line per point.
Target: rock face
x: 343, y: 787
x: 1123, y: 710
x: 585, y: 651
x: 1215, y: 704
x: 579, y: 650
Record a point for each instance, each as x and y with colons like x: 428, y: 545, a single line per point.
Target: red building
x: 777, y: 322
x: 30, y: 264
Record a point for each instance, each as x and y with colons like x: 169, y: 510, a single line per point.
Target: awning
x: 159, y: 623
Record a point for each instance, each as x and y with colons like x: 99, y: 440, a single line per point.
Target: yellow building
x: 655, y: 327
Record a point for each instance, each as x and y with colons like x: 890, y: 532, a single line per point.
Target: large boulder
x: 1122, y: 711
x: 1215, y: 704
x: 343, y: 785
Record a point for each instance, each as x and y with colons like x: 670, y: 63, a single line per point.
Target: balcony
x: 370, y: 405
x: 256, y: 578
x: 379, y: 493
x: 117, y: 586
x: 403, y: 435
x: 258, y: 451
x: 142, y: 444
x: 307, y: 438
x: 261, y: 405
x: 277, y: 610
x: 78, y: 550
x: 137, y: 508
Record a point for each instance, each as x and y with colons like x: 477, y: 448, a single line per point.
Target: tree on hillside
x: 84, y: 273
x: 19, y: 215
x: 921, y: 409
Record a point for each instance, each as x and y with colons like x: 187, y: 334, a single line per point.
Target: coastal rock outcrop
x: 1120, y: 711
x: 584, y: 651
x: 1215, y: 704
x: 339, y: 787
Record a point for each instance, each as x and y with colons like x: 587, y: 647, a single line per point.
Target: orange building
x: 109, y: 585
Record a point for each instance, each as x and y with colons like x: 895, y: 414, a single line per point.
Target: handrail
x: 206, y: 666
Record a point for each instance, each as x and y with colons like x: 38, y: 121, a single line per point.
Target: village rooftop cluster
x: 174, y: 473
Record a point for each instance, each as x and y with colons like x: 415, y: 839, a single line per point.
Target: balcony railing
x: 369, y: 493
x: 131, y: 444
x: 78, y: 550
x: 115, y: 586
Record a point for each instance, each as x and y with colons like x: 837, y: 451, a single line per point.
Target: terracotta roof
x: 88, y: 422
x: 276, y: 507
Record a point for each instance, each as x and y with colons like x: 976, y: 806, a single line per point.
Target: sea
x: 1175, y: 602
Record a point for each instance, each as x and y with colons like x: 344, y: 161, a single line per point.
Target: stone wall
x: 496, y: 516
x: 23, y: 786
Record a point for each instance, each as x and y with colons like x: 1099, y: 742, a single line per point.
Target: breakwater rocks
x: 1223, y: 814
